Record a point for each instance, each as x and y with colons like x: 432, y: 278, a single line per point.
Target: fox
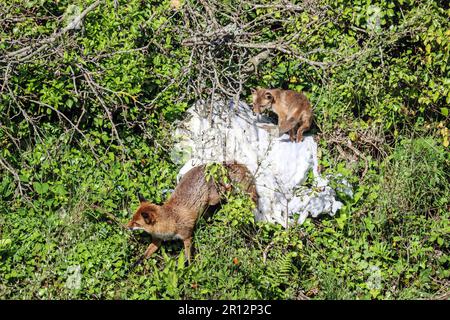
x: 293, y: 110
x: 177, y: 217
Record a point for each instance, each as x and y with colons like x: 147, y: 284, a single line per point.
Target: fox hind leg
x: 288, y: 126
x: 300, y: 134
x: 304, y: 126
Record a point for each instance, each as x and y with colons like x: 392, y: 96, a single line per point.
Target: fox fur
x: 293, y: 109
x: 176, y: 218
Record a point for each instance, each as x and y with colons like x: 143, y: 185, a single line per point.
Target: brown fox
x: 176, y: 218
x: 293, y: 109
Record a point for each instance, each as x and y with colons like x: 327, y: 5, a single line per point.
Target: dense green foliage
x: 86, y: 120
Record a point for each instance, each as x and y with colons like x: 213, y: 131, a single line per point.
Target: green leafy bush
x: 87, y: 116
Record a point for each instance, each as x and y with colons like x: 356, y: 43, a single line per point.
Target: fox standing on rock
x: 176, y: 218
x: 293, y: 109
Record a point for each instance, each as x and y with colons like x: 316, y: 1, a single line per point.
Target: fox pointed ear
x: 253, y: 90
x: 268, y: 95
x: 149, y: 218
x: 141, y: 197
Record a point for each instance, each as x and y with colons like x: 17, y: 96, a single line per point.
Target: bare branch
x: 27, y: 52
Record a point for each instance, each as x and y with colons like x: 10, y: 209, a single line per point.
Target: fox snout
x: 132, y: 226
x: 260, y: 108
x: 129, y: 225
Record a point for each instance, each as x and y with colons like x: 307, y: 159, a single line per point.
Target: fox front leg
x: 188, y: 248
x: 152, y: 248
x: 292, y: 135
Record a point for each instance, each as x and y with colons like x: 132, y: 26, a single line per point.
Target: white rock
x: 280, y: 167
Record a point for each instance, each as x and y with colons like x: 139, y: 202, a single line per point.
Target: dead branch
x: 9, y: 168
x: 29, y: 51
x: 103, y: 104
x: 75, y: 127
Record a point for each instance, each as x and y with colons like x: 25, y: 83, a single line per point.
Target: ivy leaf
x: 40, y: 188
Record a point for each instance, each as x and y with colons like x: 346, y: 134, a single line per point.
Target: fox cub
x: 293, y: 110
x: 176, y: 218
